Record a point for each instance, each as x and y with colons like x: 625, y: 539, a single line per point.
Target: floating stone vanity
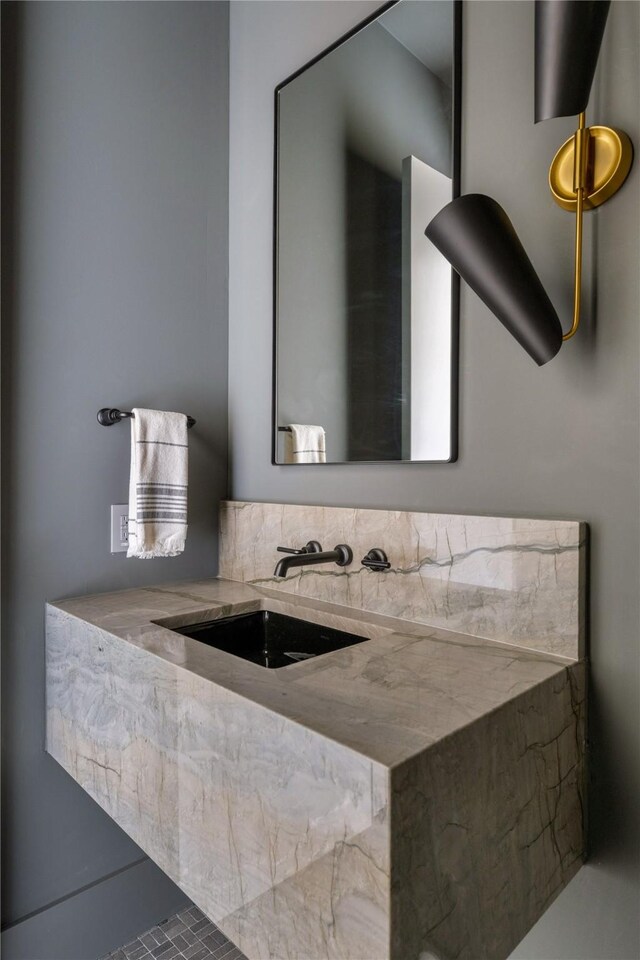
x: 417, y: 795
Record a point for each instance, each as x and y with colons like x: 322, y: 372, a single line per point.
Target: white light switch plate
x: 119, y: 527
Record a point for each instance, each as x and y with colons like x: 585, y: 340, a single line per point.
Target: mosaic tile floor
x: 189, y: 935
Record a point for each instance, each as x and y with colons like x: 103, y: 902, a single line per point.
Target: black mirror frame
x: 455, y: 280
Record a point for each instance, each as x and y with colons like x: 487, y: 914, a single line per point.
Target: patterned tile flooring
x: 187, y: 936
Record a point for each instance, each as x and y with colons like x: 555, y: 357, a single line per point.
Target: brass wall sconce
x: 474, y: 233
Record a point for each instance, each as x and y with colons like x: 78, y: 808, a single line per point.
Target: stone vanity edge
x: 392, y: 624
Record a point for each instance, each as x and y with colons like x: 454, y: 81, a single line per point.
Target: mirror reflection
x: 365, y: 305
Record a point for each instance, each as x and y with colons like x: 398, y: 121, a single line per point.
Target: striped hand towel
x: 305, y: 443
x: 158, y: 484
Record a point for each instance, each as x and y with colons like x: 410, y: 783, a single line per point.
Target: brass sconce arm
x: 581, y: 141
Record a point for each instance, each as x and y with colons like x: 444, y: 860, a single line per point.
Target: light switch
x: 119, y: 527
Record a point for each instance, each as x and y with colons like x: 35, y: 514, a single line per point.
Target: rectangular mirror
x: 366, y: 309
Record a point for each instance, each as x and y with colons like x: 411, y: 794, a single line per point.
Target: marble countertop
x: 406, y: 688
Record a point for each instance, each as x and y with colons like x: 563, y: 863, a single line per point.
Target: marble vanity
x: 417, y: 795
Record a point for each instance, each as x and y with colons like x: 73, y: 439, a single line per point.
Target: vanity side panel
x: 488, y: 826
x: 279, y: 835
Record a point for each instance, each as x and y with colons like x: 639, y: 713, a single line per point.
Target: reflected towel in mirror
x: 304, y: 443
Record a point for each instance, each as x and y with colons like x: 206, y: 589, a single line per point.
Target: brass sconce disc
x: 608, y: 164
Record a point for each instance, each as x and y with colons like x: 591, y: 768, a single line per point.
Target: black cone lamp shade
x: 568, y: 38
x: 476, y: 236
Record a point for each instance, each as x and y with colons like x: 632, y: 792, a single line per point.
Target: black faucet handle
x: 376, y: 559
x: 312, y: 546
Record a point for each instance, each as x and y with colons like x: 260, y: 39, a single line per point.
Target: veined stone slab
x: 415, y: 795
x: 514, y: 580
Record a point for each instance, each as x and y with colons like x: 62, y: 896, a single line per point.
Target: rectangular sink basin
x: 271, y: 640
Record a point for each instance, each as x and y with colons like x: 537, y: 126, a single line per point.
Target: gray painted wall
x: 115, y: 212
x: 558, y: 441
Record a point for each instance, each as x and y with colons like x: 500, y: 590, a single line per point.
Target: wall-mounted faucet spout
x: 341, y: 554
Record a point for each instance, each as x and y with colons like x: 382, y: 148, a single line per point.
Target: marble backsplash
x: 517, y: 581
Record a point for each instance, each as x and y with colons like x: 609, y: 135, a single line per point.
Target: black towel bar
x: 284, y: 429
x: 109, y: 415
